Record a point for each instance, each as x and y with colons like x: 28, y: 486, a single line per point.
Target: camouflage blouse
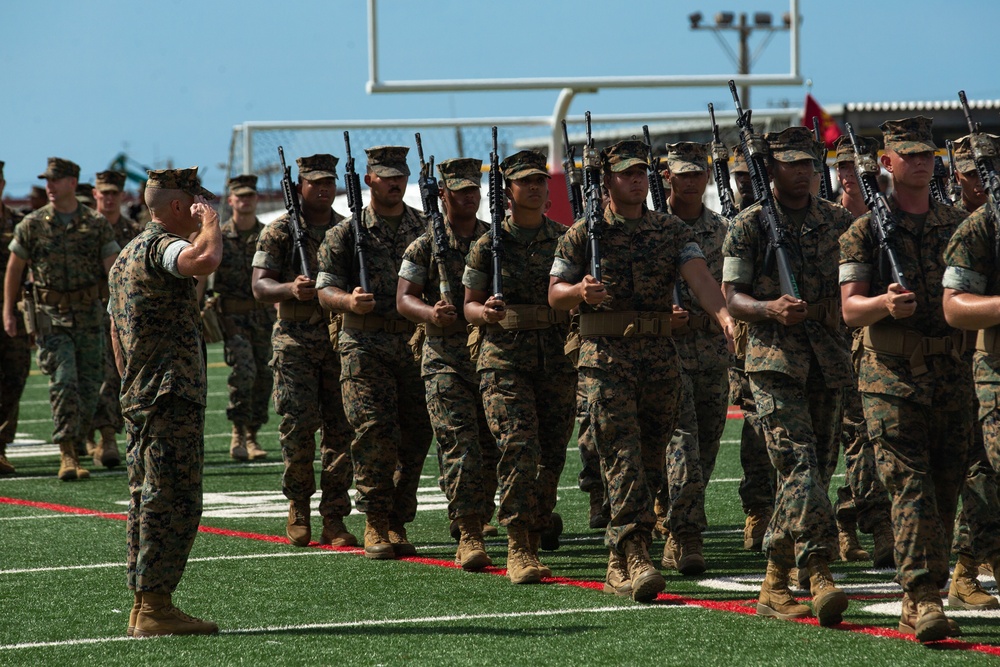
x: 638, y: 270
x: 442, y: 354
x: 232, y: 278
x: 338, y: 262
x: 66, y: 258
x: 812, y: 252
x: 525, y: 281
x: 158, y: 324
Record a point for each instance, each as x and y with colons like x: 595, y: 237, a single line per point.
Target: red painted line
x: 747, y: 607
x: 734, y: 413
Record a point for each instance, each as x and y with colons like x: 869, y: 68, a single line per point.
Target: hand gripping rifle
x: 353, y: 184
x: 574, y: 184
x: 496, y: 218
x: 825, y: 186
x: 883, y: 222
x: 429, y: 199
x: 984, y: 152
x: 755, y: 152
x: 291, y: 196
x: 659, y: 197
x: 594, y: 208
x: 720, y: 169
x: 954, y: 191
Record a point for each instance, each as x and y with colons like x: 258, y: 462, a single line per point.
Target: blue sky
x: 167, y: 80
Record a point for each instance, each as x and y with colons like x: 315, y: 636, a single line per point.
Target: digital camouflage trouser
x: 977, y: 526
x: 109, y: 410
x: 862, y: 498
x: 74, y: 361
x: 248, y: 352
x: 757, y: 486
x: 165, y: 457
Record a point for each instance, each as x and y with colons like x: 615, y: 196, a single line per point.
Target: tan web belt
x: 301, y: 311
x: 898, y: 341
x: 528, y: 317
x: 697, y: 322
x: 231, y: 306
x: 988, y: 341
x: 66, y: 300
x: 626, y: 323
x: 456, y: 327
x: 377, y: 323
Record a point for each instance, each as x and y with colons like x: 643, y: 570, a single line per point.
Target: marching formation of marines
x: 389, y: 328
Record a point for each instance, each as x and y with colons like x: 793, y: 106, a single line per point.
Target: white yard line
x: 374, y: 623
x: 203, y: 559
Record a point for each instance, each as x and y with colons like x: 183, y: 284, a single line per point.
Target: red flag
x: 829, y: 130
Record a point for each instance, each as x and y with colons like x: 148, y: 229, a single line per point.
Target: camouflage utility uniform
x: 15, y: 353
x: 154, y: 310
x: 797, y: 373
x: 306, y: 379
x: 467, y: 452
x: 383, y: 393
x: 917, y: 392
x: 67, y: 267
x: 528, y: 383
x: 247, y: 325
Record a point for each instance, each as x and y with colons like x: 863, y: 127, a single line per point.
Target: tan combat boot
x: 616, y: 581
x: 883, y: 555
x: 157, y: 616
x: 238, y: 445
x: 106, y: 453
x: 521, y: 566
x: 254, y: 450
x: 489, y: 530
x: 647, y: 582
x: 691, y: 559
x: 908, y: 619
x: 471, y: 553
x: 6, y: 467
x: 755, y: 527
x: 377, y: 544
x: 335, y: 533
x: 930, y: 623
x: 829, y: 602
x: 91, y: 443
x: 400, y: 544
x: 965, y: 591
x: 776, y: 599
x: 671, y: 552
x: 850, y: 548
x: 550, y: 533
x: 69, y: 463
x: 298, y: 528
x: 535, y: 540
x: 134, y: 614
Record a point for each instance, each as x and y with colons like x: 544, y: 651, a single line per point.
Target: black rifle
x: 883, y: 222
x: 720, y: 169
x: 574, y: 184
x: 825, y: 186
x: 353, y: 184
x: 954, y: 189
x: 938, y: 188
x: 593, y: 198
x: 659, y: 197
x: 984, y: 152
x: 429, y: 194
x: 291, y: 196
x: 755, y: 153
x: 496, y: 218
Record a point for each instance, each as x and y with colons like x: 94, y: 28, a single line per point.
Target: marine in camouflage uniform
x: 108, y: 416
x: 428, y: 294
x: 159, y: 351
x: 69, y: 248
x: 916, y: 389
x: 862, y: 501
x: 246, y: 322
x: 306, y: 367
x: 15, y: 351
x: 383, y: 391
x: 680, y: 502
x: 798, y: 365
x: 528, y: 383
x: 970, y: 260
x: 630, y: 365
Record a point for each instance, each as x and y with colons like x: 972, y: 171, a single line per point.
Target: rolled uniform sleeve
x: 15, y: 247
x: 168, y: 259
x: 415, y: 261
x: 969, y: 255
x: 477, y: 265
x: 856, y: 261
x: 691, y: 250
x: 738, y: 249
x: 570, y: 261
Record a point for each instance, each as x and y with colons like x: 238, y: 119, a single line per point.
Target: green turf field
x: 63, y: 599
